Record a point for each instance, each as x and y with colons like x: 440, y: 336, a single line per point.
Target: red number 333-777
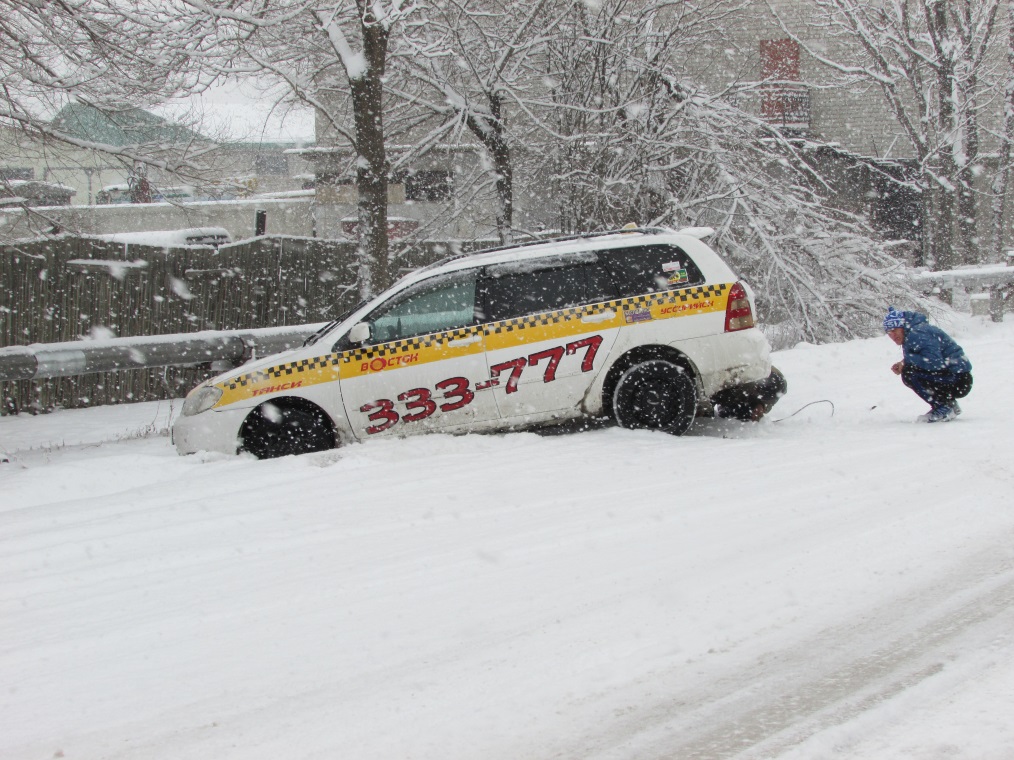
x: 455, y: 393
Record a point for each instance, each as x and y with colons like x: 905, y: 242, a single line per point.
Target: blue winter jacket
x: 931, y: 349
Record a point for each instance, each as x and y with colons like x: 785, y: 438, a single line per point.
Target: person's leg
x: 928, y: 386
x: 963, y: 385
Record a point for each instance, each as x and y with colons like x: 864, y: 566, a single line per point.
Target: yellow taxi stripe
x: 282, y: 377
x: 628, y: 311
x: 438, y: 346
x: 422, y: 349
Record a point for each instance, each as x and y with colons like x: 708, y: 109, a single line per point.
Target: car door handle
x: 468, y: 340
x: 602, y: 316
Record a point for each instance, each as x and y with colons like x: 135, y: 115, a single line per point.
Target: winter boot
x: 938, y: 414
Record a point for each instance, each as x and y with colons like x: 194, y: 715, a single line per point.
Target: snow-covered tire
x: 655, y: 395
x: 277, y: 430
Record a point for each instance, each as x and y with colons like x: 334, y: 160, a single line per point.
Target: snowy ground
x: 824, y: 586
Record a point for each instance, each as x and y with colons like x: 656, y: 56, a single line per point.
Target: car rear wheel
x: 655, y: 395
x: 277, y: 430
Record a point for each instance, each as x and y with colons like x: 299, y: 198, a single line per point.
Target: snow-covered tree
x: 104, y: 53
x: 824, y: 275
x: 334, y: 57
x: 1001, y: 181
x: 932, y: 61
x: 479, y: 69
x: 633, y: 139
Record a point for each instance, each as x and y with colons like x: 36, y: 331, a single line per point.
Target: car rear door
x: 549, y: 328
x: 663, y: 294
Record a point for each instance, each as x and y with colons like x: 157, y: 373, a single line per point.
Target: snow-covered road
x: 824, y: 586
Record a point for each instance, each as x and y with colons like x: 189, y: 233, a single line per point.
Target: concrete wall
x: 291, y: 216
x: 299, y: 216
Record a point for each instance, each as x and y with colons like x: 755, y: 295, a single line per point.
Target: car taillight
x: 738, y: 314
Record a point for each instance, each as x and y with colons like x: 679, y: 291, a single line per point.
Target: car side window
x: 650, y: 269
x: 512, y: 293
x: 429, y: 307
x: 601, y: 285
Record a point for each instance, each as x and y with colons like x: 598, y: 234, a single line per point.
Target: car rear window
x: 649, y: 269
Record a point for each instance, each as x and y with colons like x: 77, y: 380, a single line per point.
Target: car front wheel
x: 276, y: 430
x: 655, y: 395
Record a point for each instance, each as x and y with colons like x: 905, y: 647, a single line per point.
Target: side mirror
x: 360, y: 333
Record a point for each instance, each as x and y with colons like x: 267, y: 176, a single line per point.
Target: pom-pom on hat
x: 893, y: 319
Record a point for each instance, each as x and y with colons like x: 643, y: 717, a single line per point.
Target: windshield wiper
x: 331, y: 325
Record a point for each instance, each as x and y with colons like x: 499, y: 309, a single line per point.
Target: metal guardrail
x: 997, y: 274
x: 81, y: 357
x: 230, y: 348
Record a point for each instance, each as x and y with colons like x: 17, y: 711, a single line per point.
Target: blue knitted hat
x: 893, y: 319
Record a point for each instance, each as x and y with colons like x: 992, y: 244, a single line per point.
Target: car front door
x: 421, y: 365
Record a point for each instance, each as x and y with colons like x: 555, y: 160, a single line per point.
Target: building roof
x: 126, y: 126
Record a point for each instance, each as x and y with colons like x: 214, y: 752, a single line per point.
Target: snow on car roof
x: 553, y: 246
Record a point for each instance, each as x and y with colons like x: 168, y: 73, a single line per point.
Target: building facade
x: 786, y: 49
x: 95, y: 177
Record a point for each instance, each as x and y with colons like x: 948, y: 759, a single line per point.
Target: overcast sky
x: 245, y: 113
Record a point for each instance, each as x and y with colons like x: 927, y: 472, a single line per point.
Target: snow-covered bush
x: 630, y: 137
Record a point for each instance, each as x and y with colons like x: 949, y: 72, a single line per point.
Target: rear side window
x: 521, y: 288
x: 650, y: 269
x: 530, y: 288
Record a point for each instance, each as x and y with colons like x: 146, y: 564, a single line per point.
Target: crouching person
x: 933, y: 365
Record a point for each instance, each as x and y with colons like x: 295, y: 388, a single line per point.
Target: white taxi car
x: 645, y: 326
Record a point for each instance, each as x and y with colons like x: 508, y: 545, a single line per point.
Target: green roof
x: 120, y: 127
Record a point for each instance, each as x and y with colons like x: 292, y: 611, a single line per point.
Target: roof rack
x: 541, y: 241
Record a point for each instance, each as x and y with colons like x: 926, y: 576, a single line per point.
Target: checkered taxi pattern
x: 623, y: 305
x: 282, y: 371
x: 567, y: 322
x: 434, y: 347
x: 408, y: 345
x: 689, y: 295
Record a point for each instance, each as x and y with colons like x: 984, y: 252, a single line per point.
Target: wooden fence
x: 71, y: 288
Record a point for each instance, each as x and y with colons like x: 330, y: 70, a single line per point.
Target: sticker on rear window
x: 678, y: 277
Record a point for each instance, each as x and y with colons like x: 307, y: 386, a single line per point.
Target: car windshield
x: 332, y: 324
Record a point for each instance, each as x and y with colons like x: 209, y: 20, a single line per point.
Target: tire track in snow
x: 786, y: 697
